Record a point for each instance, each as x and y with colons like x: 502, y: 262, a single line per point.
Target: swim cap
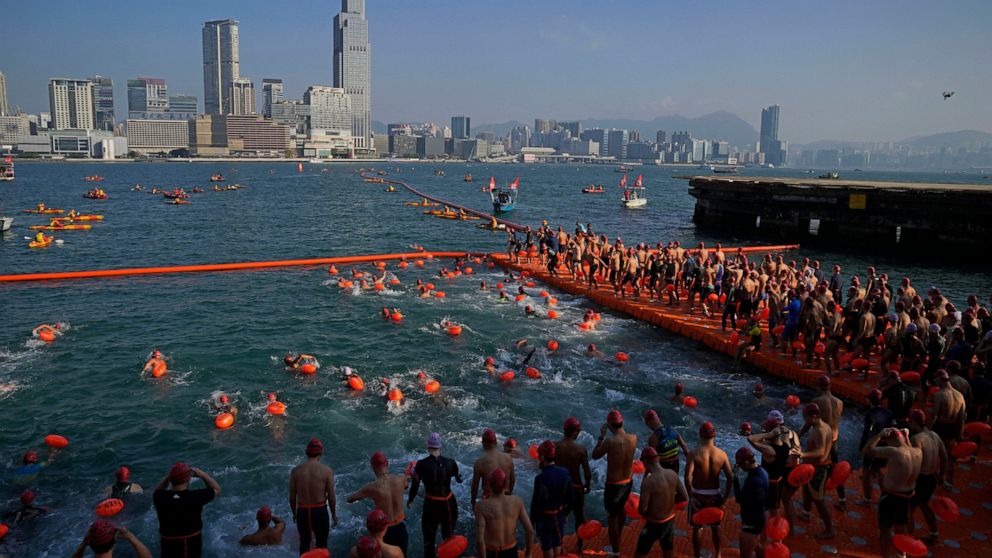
x: 488, y: 437
x: 510, y: 444
x: 614, y: 418
x: 272, y: 397
x: 123, y: 474
x: 893, y: 375
x: 547, y: 450
x: 30, y: 456
x: 591, y: 347
x: 911, y: 328
x: 27, y: 497
x: 823, y: 382
x: 368, y: 547
x: 572, y: 424
x: 874, y: 396
x: 942, y: 375
x: 421, y: 375
x: 490, y: 361
x: 179, y: 473
x: 376, y: 521
x: 934, y: 328
x: 224, y: 399
x: 679, y: 388
x: 314, y: 448
x: 745, y: 429
x: 379, y: 460
x: 775, y: 416
x: 650, y: 415
x: 649, y: 454
x: 264, y: 514
x: 102, y: 535
x: 434, y: 441
x: 157, y: 353
x: 759, y: 388
x: 497, y: 480
x: 707, y: 430
x: 744, y: 455
x: 811, y: 410
x: 918, y: 416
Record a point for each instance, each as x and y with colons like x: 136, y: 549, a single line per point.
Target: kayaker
x: 40, y: 207
x: 57, y: 222
x: 72, y: 214
x: 40, y: 237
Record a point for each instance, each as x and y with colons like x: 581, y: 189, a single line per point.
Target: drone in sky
x: 948, y: 95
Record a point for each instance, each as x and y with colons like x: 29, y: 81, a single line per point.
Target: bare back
x: 707, y: 463
x: 659, y: 492
x: 386, y: 492
x: 933, y: 451
x: 490, y: 461
x: 831, y: 410
x: 901, y: 469
x: 620, y: 450
x: 311, y: 483
x: 572, y: 456
x: 496, y: 520
x: 948, y: 403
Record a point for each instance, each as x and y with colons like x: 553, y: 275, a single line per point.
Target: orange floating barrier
x: 109, y: 507
x: 395, y: 395
x: 507, y: 376
x: 553, y: 345
x: 589, y: 530
x: 224, y: 421
x: 707, y: 516
x: 533, y: 373
x: 432, y: 386
x: 356, y: 383
x: 276, y: 408
x: 308, y: 368
x: 452, y: 547
x: 801, y: 475
x: 56, y: 441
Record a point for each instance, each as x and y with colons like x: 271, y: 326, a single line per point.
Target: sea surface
x: 227, y: 332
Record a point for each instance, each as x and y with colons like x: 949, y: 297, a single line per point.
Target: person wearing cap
x: 877, y: 418
x: 155, y: 360
x: 665, y: 440
x: 932, y: 467
x: 661, y: 490
x: 949, y: 415
x: 311, y: 494
x: 496, y: 519
x: 703, y: 466
x: 27, y: 511
x: 552, y: 492
x: 752, y: 497
x: 101, y: 538
x: 592, y: 351
x: 179, y: 510
x: 490, y: 460
x: 440, y: 508
x: 122, y: 487
x: 817, y: 454
x: 911, y: 348
x: 31, y: 467
x: 959, y: 382
x: 366, y: 547
x: 376, y: 523
x: 575, y: 457
x: 269, y: 532
x: 831, y: 411
x: 619, y: 451
x: 902, y: 468
x: 511, y: 448
x: 899, y: 396
x: 223, y: 405
x: 386, y: 493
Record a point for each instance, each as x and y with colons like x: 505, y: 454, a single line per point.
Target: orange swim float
x: 533, y: 373
x: 224, y: 421
x: 332, y: 270
x: 707, y: 516
x: 276, y: 408
x: 159, y: 369
x: 801, y: 475
x: 532, y: 451
x: 690, y: 401
x: 454, y: 330
x: 622, y: 357
x: 46, y: 335
x: 589, y: 530
x: 432, y: 386
x: 552, y: 345
x: 395, y: 395
x: 439, y: 294
x: 507, y: 376
x: 519, y: 297
x: 793, y: 401
x: 637, y: 467
x: 452, y: 547
x: 356, y: 383
x: 552, y: 314
x: 379, y: 286
x: 630, y: 508
x: 419, y: 263
x: 56, y: 441
x: 109, y: 507
x: 396, y: 317
x: 308, y: 368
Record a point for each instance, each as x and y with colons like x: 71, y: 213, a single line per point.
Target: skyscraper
x: 769, y: 144
x: 221, y: 64
x: 103, y: 103
x: 330, y: 108
x: 353, y: 68
x: 461, y: 127
x: 241, y: 97
x: 146, y: 94
x: 4, y: 105
x: 183, y: 104
x: 617, y: 143
x: 71, y: 102
x: 271, y: 93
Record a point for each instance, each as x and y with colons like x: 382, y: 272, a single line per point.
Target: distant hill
x: 963, y: 139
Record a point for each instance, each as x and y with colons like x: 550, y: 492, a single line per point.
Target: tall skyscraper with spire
x: 221, y: 64
x: 353, y: 68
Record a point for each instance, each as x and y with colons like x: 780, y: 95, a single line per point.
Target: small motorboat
x: 633, y: 196
x: 217, y: 178
x: 833, y: 175
x: 504, y: 199
x: 593, y: 189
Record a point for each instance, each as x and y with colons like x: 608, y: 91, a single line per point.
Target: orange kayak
x: 87, y: 218
x: 45, y: 211
x: 62, y: 228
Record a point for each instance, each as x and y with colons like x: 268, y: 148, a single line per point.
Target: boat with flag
x: 7, y: 166
x: 504, y: 199
x: 633, y: 196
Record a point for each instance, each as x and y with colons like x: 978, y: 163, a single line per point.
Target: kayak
x: 499, y: 227
x: 44, y: 211
x: 36, y: 244
x: 86, y: 218
x: 178, y: 202
x: 457, y: 217
x: 420, y: 204
x: 62, y: 228
x: 95, y: 197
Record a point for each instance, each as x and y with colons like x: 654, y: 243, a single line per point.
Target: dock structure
x: 893, y: 216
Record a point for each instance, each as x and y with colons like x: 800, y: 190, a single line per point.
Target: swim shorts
x: 615, y: 497
x: 654, y: 531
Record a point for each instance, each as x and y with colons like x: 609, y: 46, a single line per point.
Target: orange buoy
x: 468, y: 271
x: 621, y: 357
x: 552, y: 315
x: 707, y: 516
x: 379, y: 286
x: 396, y: 317
x: 838, y: 475
x: 439, y: 294
x: 860, y: 363
x: 630, y: 508
x: 109, y: 507
x: 432, y: 386
x: 793, y: 401
x: 499, y: 285
x: 46, y: 335
x: 332, y: 270
x: 532, y: 451
x: 712, y: 297
x: 530, y: 284
x: 533, y: 373
x: 543, y: 294
x: 776, y: 549
x: 801, y: 475
x: 276, y: 408
x: 909, y: 545
x: 453, y: 547
x: 777, y: 528
x: 56, y: 441
x: 507, y: 376
x: 585, y: 326
x: 551, y: 301
x: 224, y: 421
x: 159, y: 369
x: 690, y: 401
x: 419, y: 263
x: 597, y: 316
x: 395, y: 395
x: 356, y: 383
x: 454, y: 330
x: 394, y: 281
x: 308, y: 368
x: 477, y: 260
x: 3, y: 531
x: 402, y: 265
x: 589, y: 530
x: 637, y: 467
x: 552, y: 345
x: 910, y: 377
x: 945, y: 508
x: 451, y: 275
x: 963, y: 449
x: 973, y: 429
x: 519, y: 297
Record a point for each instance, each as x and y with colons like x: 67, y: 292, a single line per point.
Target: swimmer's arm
x: 690, y: 467
x: 164, y: 484
x: 414, y: 489
x: 757, y: 442
x: 644, y: 504
x: 81, y: 549
x: 278, y: 529
x: 210, y: 482
x: 682, y: 444
x: 729, y: 473
x: 870, y: 449
x: 292, y: 495
x: 332, y: 500
x: 586, y: 471
x: 528, y: 529
x: 148, y: 365
x: 600, y: 449
x: 512, y: 480
x: 680, y: 493
x: 135, y: 488
x: 943, y: 459
x: 360, y: 495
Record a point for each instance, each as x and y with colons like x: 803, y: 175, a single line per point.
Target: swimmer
x: 619, y: 452
x: 425, y: 292
x: 529, y: 311
x: 31, y: 467
x: 311, y: 493
x: 491, y: 460
x: 54, y: 329
x: 679, y: 389
x: 28, y: 511
x: 490, y: 365
x: 265, y: 535
x: 503, y: 296
x: 153, y: 362
x: 386, y: 492
x: 223, y: 405
x: 102, y: 536
x: 758, y: 391
x: 374, y: 545
x: 496, y: 520
x: 520, y: 290
x: 483, y: 286
x: 295, y: 362
x: 592, y: 351
x: 511, y: 448
x: 122, y: 486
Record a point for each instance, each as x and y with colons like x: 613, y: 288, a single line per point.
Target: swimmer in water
x: 54, y: 329
x: 677, y: 398
x: 759, y: 391
x: 592, y: 351
x: 31, y: 467
x: 424, y: 292
x: 510, y: 447
x: 295, y: 362
x: 154, y: 361
x: 266, y: 534
x: 223, y: 405
x: 490, y: 365
x: 529, y: 311
x: 503, y: 296
x: 520, y: 290
x: 122, y: 486
x: 483, y: 286
x: 28, y: 511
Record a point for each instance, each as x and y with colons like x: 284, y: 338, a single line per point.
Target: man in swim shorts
x: 440, y: 508
x: 386, y: 493
x: 575, y: 457
x: 752, y: 498
x: 552, y: 491
x: 661, y: 489
x: 311, y: 493
x: 179, y: 511
x: 703, y: 466
x: 266, y: 534
x: 496, y: 518
x: 817, y: 453
x: 831, y: 409
x: 932, y: 466
x: 490, y: 460
x: 902, y: 468
x: 877, y: 418
x: 948, y: 416
x: 619, y: 451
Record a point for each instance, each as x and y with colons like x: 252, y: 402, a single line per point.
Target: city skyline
x: 869, y: 74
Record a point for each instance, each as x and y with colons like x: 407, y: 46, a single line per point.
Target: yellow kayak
x: 62, y: 228
x: 420, y: 204
x: 86, y: 218
x: 36, y: 244
x: 45, y: 211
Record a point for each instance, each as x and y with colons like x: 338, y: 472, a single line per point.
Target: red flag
x: 515, y: 184
x: 492, y: 183
x: 623, y: 181
x: 640, y: 181
x: 8, y: 159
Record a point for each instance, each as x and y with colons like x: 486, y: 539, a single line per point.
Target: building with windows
x: 154, y: 136
x: 641, y: 150
x: 229, y: 134
x: 146, y: 94
x: 617, y: 140
x: 12, y: 126
x: 271, y: 93
x: 544, y: 125
x: 769, y: 143
x: 184, y: 105
x: 103, y: 103
x: 353, y: 69
x: 600, y: 136
x: 574, y: 128
x: 242, y: 97
x: 461, y: 127
x: 71, y: 103
x: 293, y: 113
x: 330, y: 108
x: 4, y: 103
x: 221, y: 64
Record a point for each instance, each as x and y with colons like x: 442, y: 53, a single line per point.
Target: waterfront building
x: 700, y: 150
x: 12, y: 126
x: 271, y: 93
x: 103, y: 103
x: 399, y: 129
x: 679, y: 139
x: 146, y: 96
x: 461, y: 127
x: 618, y: 140
x: 184, y: 105
x: 488, y: 136
x: 659, y: 137
x: 44, y: 120
x: 221, y: 64
x: 225, y: 134
x: 641, y: 150
x: 574, y: 128
x: 353, y: 68
x: 242, y: 97
x: 430, y: 147
x: 71, y: 103
x: 769, y: 143
x: 4, y: 103
x: 576, y: 146
x: 324, y: 144
x: 330, y: 109
x: 403, y: 146
x: 599, y: 136
x: 293, y: 113
x: 154, y: 136
x: 519, y: 138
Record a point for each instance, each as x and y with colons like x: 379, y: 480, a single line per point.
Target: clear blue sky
x: 840, y: 70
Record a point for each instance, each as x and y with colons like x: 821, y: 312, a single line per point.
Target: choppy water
x: 227, y: 331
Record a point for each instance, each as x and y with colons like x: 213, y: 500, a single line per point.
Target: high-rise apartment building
x: 544, y: 126
x: 221, y: 64
x: 769, y: 143
x: 601, y: 137
x: 271, y: 93
x: 353, y: 68
x: 4, y: 104
x: 241, y: 97
x: 618, y: 143
x: 146, y: 94
x: 574, y: 127
x: 660, y: 137
x: 71, y: 103
x: 183, y: 104
x: 461, y: 127
x: 103, y: 103
x: 330, y: 108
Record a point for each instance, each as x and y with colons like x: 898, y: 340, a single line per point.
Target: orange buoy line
x: 224, y: 267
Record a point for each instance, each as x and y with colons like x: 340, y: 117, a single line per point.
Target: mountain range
x: 969, y: 140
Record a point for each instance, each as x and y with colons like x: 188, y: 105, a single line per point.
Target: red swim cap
x: 547, y: 450
x: 744, y: 455
x: 314, y: 448
x: 101, y: 533
x: 707, y: 430
x: 179, y: 473
x: 490, y: 361
x: 379, y: 460
x: 650, y: 415
x: 648, y: 454
x: 488, y: 437
x: 823, y: 382
x: 497, y: 480
x: 614, y: 418
x: 30, y: 456
x: 811, y: 410
x: 918, y: 416
x: 123, y: 474
x: 376, y: 521
x: 368, y: 547
x: 510, y: 443
x: 572, y: 424
x: 272, y: 397
x: 264, y: 514
x: 27, y: 497
x: 224, y: 399
x: 421, y: 375
x: 592, y: 347
x: 679, y: 388
x: 874, y: 396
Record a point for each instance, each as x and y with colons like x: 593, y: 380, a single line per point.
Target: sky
x: 844, y: 70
